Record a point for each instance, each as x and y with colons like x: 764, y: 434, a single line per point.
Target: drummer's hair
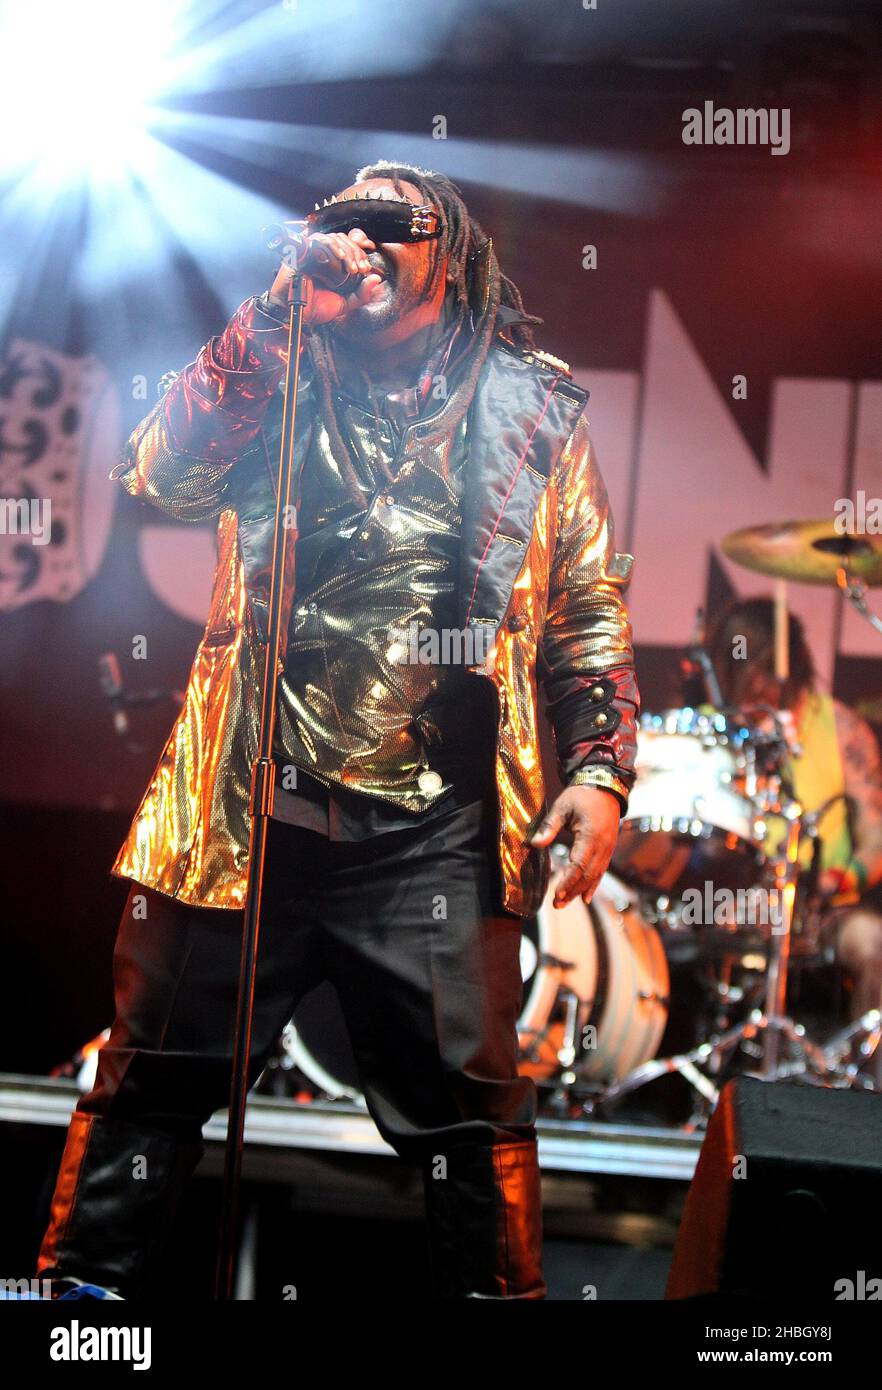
x: 743, y: 640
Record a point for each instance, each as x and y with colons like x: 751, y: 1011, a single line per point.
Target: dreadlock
x: 462, y: 238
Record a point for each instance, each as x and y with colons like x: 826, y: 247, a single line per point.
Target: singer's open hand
x: 324, y: 305
x: 592, y: 814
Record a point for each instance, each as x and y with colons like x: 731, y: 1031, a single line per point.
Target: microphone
x: 309, y: 256
x: 697, y: 662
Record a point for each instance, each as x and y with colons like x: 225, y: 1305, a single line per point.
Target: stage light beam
x: 77, y: 80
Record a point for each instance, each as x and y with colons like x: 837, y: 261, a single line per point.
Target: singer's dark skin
x: 388, y: 327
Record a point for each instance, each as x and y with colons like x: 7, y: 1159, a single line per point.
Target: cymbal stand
x: 854, y: 590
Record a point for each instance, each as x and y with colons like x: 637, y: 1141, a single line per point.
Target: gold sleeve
x: 587, y: 652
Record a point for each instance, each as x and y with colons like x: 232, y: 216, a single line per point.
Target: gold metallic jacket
x: 537, y: 564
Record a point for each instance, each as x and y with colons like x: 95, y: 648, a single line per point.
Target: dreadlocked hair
x: 462, y: 238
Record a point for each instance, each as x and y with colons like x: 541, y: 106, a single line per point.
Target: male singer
x: 447, y: 492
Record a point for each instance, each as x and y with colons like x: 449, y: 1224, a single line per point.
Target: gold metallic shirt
x: 360, y: 705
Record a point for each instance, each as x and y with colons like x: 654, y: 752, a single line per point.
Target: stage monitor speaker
x: 786, y: 1201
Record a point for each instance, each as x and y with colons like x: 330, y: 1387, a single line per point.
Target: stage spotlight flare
x: 76, y: 81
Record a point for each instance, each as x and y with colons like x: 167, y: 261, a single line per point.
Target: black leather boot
x: 485, y: 1222
x: 115, y: 1198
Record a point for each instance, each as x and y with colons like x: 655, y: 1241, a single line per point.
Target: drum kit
x: 691, y: 879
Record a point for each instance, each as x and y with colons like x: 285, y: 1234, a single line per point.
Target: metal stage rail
x: 282, y: 1125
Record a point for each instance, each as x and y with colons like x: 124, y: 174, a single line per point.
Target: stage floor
x: 318, y: 1179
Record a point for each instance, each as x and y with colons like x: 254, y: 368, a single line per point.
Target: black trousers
x: 406, y: 925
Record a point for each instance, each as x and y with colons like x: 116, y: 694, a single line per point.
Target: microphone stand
x: 260, y: 809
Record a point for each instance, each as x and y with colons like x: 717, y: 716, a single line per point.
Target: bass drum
x: 595, y: 980
x: 316, y: 1041
x: 596, y: 987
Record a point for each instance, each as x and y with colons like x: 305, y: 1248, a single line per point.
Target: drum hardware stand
x: 775, y: 1020
x: 823, y: 1066
x: 567, y: 1052
x: 769, y: 1024
x: 864, y: 1034
x: 687, y: 1064
x: 854, y: 590
x: 527, y: 1050
x: 711, y: 1055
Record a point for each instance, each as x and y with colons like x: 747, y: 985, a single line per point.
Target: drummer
x: 839, y: 764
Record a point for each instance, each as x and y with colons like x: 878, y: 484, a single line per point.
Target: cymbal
x: 809, y: 552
